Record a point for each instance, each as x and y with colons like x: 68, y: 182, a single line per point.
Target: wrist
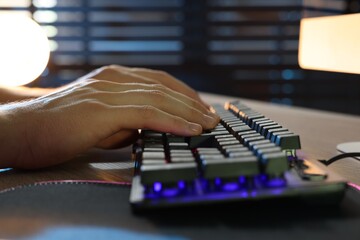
x: 38, y: 92
x: 10, y: 136
x: 13, y: 94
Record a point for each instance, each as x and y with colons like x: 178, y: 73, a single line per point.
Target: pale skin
x: 102, y: 109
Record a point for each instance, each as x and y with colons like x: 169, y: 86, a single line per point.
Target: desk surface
x: 103, y: 212
x: 320, y: 132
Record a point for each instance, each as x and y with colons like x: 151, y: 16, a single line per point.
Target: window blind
x: 244, y: 48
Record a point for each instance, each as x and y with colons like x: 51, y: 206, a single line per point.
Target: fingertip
x: 215, y: 118
x: 194, y: 129
x: 205, y: 104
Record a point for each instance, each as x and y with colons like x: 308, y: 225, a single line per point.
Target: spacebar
x: 205, y: 139
x: 167, y: 173
x: 230, y: 167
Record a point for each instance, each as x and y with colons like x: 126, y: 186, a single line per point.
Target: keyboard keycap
x: 248, y: 140
x: 153, y: 155
x: 178, y: 145
x: 274, y: 163
x: 244, y: 143
x: 153, y: 161
x: 235, y: 154
x: 265, y: 129
x: 182, y: 159
x: 271, y: 132
x: 253, y: 144
x: 230, y: 167
x: 205, y: 139
x: 288, y: 140
x: 168, y: 173
x: 273, y: 149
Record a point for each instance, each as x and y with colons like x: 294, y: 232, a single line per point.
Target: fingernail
x: 212, y: 119
x: 209, y: 120
x: 195, y: 128
x: 214, y: 115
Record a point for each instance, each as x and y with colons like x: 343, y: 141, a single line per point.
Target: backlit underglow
x: 242, y: 180
x: 231, y: 186
x: 222, y: 188
x: 181, y: 185
x: 24, y: 50
x: 276, y: 182
x: 263, y: 177
x: 157, y: 187
x: 217, y: 181
x: 170, y: 192
x: 354, y: 185
x: 183, y: 192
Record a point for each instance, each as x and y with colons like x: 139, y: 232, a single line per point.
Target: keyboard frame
x: 325, y: 191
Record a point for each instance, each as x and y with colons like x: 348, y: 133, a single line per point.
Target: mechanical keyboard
x: 246, y: 157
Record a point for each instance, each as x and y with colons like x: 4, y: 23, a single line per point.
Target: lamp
x: 331, y: 43
x: 24, y: 50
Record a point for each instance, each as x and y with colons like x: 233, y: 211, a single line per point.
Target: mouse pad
x: 91, y: 210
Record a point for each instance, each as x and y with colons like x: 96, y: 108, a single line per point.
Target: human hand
x: 98, y: 112
x: 122, y: 74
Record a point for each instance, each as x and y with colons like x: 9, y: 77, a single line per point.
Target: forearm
x: 9, y: 148
x: 12, y: 94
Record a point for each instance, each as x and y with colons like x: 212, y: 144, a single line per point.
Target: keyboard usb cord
x: 339, y: 157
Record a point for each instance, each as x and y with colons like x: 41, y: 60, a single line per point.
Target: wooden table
x: 320, y: 132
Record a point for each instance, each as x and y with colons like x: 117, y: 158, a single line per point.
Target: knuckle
x: 178, y: 122
x: 89, y: 92
x: 113, y: 66
x: 194, y: 104
x: 92, y: 83
x: 159, y: 87
x: 137, y: 69
x: 108, y: 70
x: 162, y: 73
x: 94, y: 104
x: 148, y: 112
x: 151, y: 96
x: 82, y: 89
x: 158, y: 95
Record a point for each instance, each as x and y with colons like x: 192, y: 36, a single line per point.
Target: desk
x: 320, y: 133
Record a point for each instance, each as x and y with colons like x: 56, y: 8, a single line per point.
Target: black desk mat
x: 102, y: 211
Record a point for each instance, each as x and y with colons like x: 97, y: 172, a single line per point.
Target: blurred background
x: 242, y: 48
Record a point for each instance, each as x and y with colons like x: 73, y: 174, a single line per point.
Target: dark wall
x: 244, y: 48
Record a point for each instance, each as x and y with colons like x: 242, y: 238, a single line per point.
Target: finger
x: 148, y: 117
x: 165, y: 79
x: 137, y: 96
x: 121, y: 74
x: 120, y: 139
x: 120, y: 87
x: 113, y: 74
x: 159, y: 100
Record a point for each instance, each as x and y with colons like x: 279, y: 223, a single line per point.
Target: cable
x: 339, y: 157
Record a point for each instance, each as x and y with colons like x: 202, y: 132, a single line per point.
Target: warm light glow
x: 330, y: 43
x: 51, y: 31
x: 45, y: 3
x: 45, y: 16
x: 24, y: 50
